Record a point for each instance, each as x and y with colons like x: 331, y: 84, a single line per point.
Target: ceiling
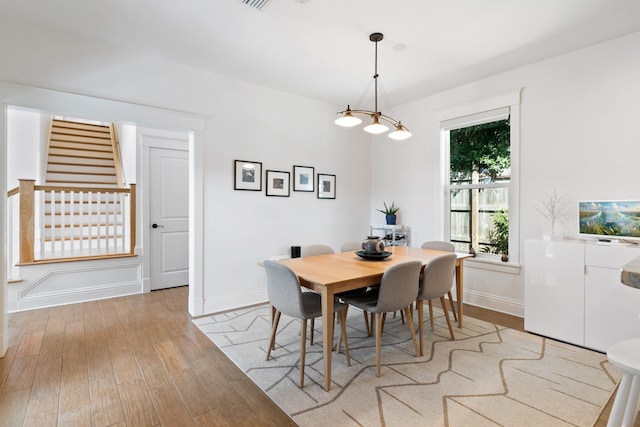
x: 321, y: 49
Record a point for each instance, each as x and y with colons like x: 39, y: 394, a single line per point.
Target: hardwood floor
x: 130, y: 361
x: 135, y: 361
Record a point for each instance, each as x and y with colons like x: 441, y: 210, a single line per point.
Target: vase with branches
x: 554, y: 209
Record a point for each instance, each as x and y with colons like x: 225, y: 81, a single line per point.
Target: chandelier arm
x: 364, y: 112
x: 392, y: 121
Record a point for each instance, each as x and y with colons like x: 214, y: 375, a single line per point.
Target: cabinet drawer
x: 609, y: 256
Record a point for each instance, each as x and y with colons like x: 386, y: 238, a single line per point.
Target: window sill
x: 486, y: 263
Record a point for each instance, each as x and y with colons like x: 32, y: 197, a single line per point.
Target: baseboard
x: 225, y: 304
x: 77, y: 296
x: 494, y: 302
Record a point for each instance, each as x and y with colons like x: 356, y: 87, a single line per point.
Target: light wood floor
x: 135, y: 361
x: 131, y: 361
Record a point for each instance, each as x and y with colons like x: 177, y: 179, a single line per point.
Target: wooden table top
x: 346, y: 270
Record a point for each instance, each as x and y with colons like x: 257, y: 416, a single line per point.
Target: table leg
x: 459, y: 290
x: 327, y: 334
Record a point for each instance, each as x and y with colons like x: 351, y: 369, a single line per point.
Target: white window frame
x: 490, y: 109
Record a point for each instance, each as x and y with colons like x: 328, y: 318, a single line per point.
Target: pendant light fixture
x: 348, y: 117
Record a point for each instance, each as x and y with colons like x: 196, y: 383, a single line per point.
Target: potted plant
x: 499, y: 235
x: 390, y: 212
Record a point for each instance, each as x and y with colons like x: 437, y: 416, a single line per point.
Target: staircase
x: 78, y: 218
x: 82, y: 154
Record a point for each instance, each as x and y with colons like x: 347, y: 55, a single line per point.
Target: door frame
x: 123, y: 112
x: 147, y: 139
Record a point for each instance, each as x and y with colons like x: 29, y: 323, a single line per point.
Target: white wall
x: 580, y: 135
x: 24, y: 129
x: 246, y: 122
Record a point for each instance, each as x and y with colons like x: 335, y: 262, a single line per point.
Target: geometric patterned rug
x: 489, y: 376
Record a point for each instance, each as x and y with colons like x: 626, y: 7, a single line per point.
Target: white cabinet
x: 554, y: 290
x: 611, y: 309
x: 573, y: 293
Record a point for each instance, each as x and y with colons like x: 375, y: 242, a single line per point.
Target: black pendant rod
x: 376, y: 37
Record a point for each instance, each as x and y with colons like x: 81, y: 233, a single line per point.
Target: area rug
x: 489, y: 376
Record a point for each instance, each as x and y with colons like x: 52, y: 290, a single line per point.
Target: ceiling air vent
x: 257, y: 4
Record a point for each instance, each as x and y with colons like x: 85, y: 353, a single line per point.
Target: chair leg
x: 412, y: 329
x: 343, y: 335
x: 384, y: 319
x: 273, y: 312
x: 446, y: 315
x: 274, y: 327
x: 313, y: 325
x: 420, y: 305
x: 401, y: 315
x: 366, y: 322
x: 378, y: 317
x: 431, y: 314
x: 303, y: 350
x: 453, y: 307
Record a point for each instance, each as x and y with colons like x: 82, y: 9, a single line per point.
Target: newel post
x: 27, y: 205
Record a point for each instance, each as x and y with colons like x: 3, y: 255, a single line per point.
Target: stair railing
x: 72, y: 223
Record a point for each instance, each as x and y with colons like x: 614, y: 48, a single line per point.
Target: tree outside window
x: 479, y: 165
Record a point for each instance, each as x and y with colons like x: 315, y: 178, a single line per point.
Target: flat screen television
x: 610, y: 220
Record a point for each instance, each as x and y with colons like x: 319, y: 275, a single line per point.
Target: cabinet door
x: 611, y: 309
x: 554, y: 290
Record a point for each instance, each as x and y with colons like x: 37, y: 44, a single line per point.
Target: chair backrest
x: 311, y: 250
x: 351, y: 246
x: 398, y: 287
x: 283, y: 289
x: 438, y: 276
x: 439, y: 246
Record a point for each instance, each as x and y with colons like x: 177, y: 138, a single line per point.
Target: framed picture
x: 247, y: 175
x: 303, y: 178
x: 326, y: 186
x: 277, y: 183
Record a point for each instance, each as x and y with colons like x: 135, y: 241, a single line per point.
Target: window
x: 481, y: 152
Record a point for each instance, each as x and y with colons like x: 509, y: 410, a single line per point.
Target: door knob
x: 156, y: 226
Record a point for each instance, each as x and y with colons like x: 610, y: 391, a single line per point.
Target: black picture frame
x: 277, y: 183
x: 326, y: 186
x: 247, y: 175
x: 303, y: 178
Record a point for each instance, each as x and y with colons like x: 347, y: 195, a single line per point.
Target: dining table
x: 331, y: 274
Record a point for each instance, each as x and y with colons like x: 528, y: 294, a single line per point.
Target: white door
x: 169, y: 217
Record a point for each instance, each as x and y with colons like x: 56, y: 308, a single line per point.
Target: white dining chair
x: 312, y: 250
x: 436, y: 281
x: 285, y: 296
x: 397, y: 291
x: 351, y: 246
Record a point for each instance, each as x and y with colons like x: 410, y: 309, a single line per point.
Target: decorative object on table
x: 277, y: 183
x: 373, y: 256
x: 347, y: 118
x: 247, y: 175
x: 373, y: 245
x: 390, y: 212
x: 303, y: 178
x: 554, y: 209
x: 326, y: 186
x: 295, y: 251
x: 499, y: 235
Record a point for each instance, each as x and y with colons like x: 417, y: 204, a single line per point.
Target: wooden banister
x: 27, y: 190
x: 116, y: 154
